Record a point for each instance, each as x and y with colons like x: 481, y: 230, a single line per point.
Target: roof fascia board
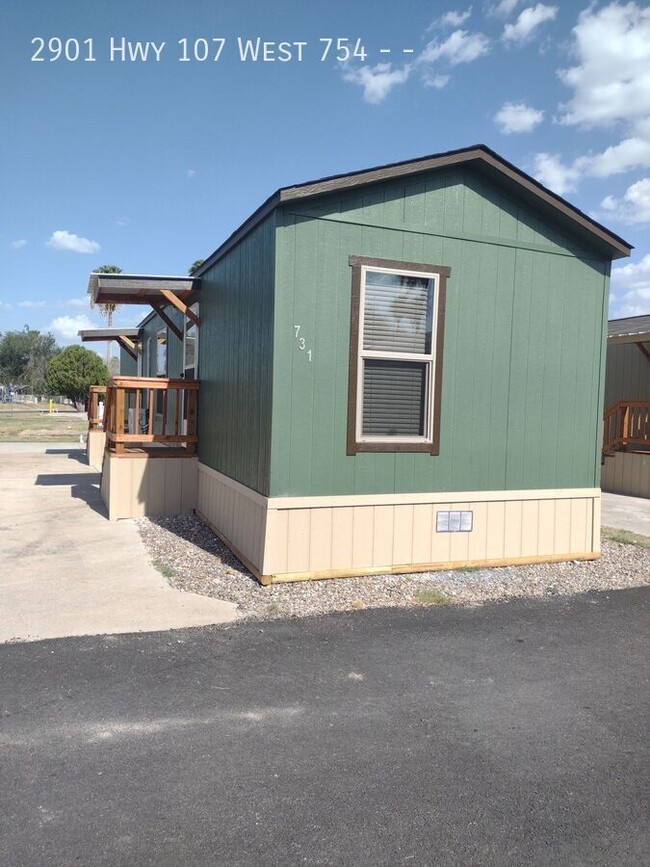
x: 641, y: 337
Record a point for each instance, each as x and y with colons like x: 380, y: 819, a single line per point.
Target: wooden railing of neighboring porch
x: 95, y: 392
x: 626, y: 423
x: 144, y: 415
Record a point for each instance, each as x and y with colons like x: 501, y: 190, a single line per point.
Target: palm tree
x: 107, y: 310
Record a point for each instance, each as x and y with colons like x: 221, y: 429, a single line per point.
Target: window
x: 161, y: 353
x: 396, y: 340
x: 161, y: 367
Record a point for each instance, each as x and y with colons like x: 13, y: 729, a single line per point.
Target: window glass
x: 397, y: 312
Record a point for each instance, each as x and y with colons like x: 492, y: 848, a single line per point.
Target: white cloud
x: 432, y: 79
x: 530, y: 20
x: 518, y: 117
x: 630, y: 285
x: 459, y: 47
x: 77, y: 302
x: 631, y: 153
x: 611, y: 81
x: 551, y: 171
x: 122, y: 221
x: 190, y: 173
x: 627, y: 154
x: 377, y: 81
x: 453, y: 18
x: 18, y: 244
x: 633, y: 207
x: 5, y: 306
x: 32, y: 304
x: 504, y: 8
x: 64, y: 240
x: 65, y: 328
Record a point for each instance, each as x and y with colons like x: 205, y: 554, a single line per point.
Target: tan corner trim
x: 260, y: 499
x: 433, y: 497
x: 454, y: 565
x: 263, y: 580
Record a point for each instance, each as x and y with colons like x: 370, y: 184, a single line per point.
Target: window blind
x: 394, y: 398
x: 397, y: 313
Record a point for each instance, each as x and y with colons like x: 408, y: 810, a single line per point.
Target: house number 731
x: 302, y: 345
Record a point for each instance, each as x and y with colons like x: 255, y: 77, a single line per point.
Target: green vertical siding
x: 521, y: 395
x: 174, y: 344
x: 235, y: 360
x: 628, y: 374
x: 128, y: 364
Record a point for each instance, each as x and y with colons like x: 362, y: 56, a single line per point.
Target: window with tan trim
x: 396, y: 341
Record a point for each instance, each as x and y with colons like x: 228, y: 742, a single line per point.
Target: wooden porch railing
x: 143, y: 414
x: 95, y: 392
x: 626, y: 423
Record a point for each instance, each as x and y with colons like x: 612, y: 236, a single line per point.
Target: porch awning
x: 104, y: 334
x: 128, y: 338
x: 150, y: 289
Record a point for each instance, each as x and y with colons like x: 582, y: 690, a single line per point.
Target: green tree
x: 194, y: 267
x: 24, y: 358
x: 73, y: 371
x: 107, y: 310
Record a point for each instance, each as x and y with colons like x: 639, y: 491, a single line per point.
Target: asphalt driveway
x: 510, y: 734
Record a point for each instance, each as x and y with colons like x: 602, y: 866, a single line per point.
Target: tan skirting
x: 293, y: 538
x: 95, y: 448
x: 134, y: 487
x: 627, y: 473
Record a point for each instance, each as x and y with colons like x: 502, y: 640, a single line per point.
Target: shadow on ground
x: 74, y: 454
x: 83, y: 486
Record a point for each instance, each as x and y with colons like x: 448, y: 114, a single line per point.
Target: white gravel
x: 193, y: 559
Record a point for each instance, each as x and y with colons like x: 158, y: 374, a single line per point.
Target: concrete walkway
x: 64, y: 569
x: 626, y: 513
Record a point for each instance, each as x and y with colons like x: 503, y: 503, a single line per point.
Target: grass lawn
x: 32, y: 423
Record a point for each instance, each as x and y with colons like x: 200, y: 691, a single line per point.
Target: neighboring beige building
x: 626, y: 445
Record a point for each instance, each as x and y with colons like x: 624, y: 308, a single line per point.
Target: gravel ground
x: 193, y: 559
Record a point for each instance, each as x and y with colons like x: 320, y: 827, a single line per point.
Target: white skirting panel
x: 285, y: 539
x: 627, y: 473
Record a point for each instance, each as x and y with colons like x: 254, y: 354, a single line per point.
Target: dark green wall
x: 522, y: 381
x: 128, y: 365
x: 235, y: 360
x: 174, y: 345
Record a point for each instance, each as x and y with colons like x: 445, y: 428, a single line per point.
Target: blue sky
x: 151, y: 164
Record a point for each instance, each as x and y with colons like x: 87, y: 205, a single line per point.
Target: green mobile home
x: 399, y: 369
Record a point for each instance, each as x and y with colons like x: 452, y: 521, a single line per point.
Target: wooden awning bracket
x: 180, y: 305
x: 643, y: 350
x: 160, y: 310
x: 129, y: 346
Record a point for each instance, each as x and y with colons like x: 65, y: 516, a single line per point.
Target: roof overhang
x: 128, y: 338
x: 139, y: 288
x: 151, y: 289
x: 632, y: 329
x: 104, y: 334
